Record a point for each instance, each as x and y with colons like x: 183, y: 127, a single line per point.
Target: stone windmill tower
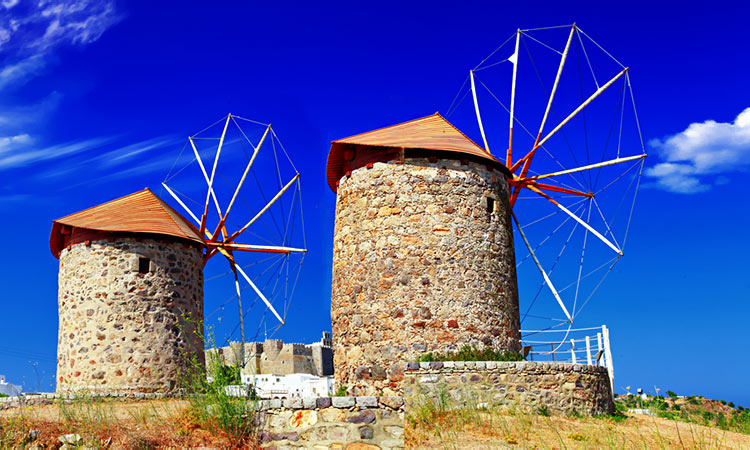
x: 130, y: 296
x: 423, y: 255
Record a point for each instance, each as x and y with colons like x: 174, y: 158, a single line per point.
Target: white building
x: 296, y: 385
x: 9, y: 389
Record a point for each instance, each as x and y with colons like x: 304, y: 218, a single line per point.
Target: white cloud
x: 703, y: 150
x: 8, y: 143
x: 16, y: 119
x: 24, y: 155
x: 21, y: 70
x: 28, y: 35
x: 115, y: 163
x: 8, y: 4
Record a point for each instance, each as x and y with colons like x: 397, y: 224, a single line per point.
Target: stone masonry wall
x: 362, y: 423
x: 125, y: 331
x: 423, y: 260
x: 561, y: 389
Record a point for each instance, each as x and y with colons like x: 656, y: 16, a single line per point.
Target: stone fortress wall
x: 423, y: 260
x: 131, y: 314
x: 276, y: 357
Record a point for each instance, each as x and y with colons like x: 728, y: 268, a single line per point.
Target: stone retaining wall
x: 332, y: 423
x: 50, y: 399
x: 351, y: 423
x: 558, y: 388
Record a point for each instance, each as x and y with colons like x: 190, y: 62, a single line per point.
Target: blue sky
x: 96, y: 99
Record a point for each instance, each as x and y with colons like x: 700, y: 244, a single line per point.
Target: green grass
x: 471, y: 353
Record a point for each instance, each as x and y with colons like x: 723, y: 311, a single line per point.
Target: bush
x: 471, y: 353
x: 671, y: 394
x: 212, y: 406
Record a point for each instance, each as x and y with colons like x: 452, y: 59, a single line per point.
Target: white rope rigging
x: 552, y: 268
x: 600, y: 47
x: 541, y: 43
x: 495, y: 51
x: 548, y: 28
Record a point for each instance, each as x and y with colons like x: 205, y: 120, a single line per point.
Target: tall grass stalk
x: 211, y: 405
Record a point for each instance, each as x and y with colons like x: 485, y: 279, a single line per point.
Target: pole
x: 573, y: 351
x: 588, y: 351
x: 608, y: 351
x: 476, y: 109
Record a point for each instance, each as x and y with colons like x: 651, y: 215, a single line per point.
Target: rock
x: 392, y: 402
x: 306, y: 418
x: 366, y: 416
x: 323, y: 402
x: 361, y: 446
x: 366, y: 432
x: 309, y: 402
x: 367, y: 402
x: 396, y: 372
x: 394, y: 431
x: 71, y: 439
x: 342, y: 402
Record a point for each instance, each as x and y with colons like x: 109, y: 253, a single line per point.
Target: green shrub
x: 210, y: 404
x: 671, y: 394
x: 471, y: 353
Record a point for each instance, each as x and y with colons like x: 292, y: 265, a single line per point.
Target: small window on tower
x: 490, y: 205
x: 143, y: 264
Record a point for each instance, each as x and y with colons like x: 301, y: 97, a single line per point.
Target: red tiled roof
x: 140, y: 212
x: 429, y: 133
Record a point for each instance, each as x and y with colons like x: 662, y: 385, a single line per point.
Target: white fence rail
x: 575, y: 345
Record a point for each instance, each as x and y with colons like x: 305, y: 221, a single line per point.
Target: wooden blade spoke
x: 256, y: 248
x: 577, y: 219
x: 588, y: 167
x: 549, y: 187
x: 260, y: 294
x: 265, y: 208
x: 541, y: 270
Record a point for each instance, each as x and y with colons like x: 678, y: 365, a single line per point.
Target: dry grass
x: 110, y: 423
x: 496, y: 429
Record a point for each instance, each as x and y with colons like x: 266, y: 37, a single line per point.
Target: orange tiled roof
x: 141, y: 212
x: 431, y: 133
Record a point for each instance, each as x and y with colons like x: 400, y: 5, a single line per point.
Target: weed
x: 212, y: 406
x: 86, y: 414
x: 341, y: 391
x: 471, y: 353
x: 577, y: 437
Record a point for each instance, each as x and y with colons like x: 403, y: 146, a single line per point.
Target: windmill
x: 236, y: 181
x: 559, y: 110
